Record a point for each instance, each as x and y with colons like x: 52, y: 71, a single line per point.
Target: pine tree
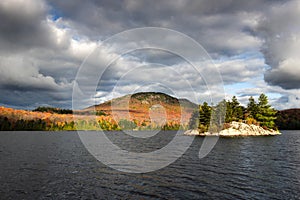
x: 234, y: 111
x: 252, y: 108
x: 218, y: 116
x: 265, y: 114
x: 205, y: 114
x: 200, y: 118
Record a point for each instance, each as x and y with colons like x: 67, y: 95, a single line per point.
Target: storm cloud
x: 281, y: 31
x: 44, y: 42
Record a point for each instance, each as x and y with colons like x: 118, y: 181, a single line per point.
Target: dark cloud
x: 286, y: 75
x: 222, y: 27
x: 43, y: 43
x: 23, y: 25
x: 37, y: 57
x: 280, y: 29
x: 32, y: 99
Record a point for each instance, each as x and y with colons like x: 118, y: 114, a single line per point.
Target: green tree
x: 218, y: 116
x: 204, y: 114
x: 126, y: 124
x: 100, y: 113
x: 200, y: 118
x: 5, y: 124
x: 265, y: 113
x: 52, y: 110
x: 252, y: 108
x: 234, y: 111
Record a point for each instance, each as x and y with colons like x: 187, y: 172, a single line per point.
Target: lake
x: 55, y: 165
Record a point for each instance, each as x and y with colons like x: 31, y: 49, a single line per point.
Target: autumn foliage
x: 142, y: 111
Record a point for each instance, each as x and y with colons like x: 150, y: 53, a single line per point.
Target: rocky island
x: 231, y: 119
x: 237, y: 129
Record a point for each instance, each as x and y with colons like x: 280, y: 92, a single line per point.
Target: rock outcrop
x: 237, y: 129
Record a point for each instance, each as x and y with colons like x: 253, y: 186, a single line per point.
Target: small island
x: 237, y: 129
x: 257, y: 119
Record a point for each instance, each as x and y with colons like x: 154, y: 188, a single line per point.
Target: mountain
x: 147, y: 106
x: 142, y: 111
x: 288, y: 119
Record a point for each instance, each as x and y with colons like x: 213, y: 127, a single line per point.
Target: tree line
x: 288, y: 119
x: 258, y: 113
x: 52, y: 110
x: 7, y: 124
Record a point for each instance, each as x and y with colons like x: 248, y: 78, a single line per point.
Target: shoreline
x: 237, y: 129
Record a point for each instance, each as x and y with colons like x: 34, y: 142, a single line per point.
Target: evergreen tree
x: 218, y: 116
x: 252, y: 108
x: 234, y: 102
x: 5, y: 124
x: 234, y: 111
x: 265, y: 114
x: 200, y: 118
x: 205, y: 114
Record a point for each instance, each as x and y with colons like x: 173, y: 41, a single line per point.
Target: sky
x: 48, y: 47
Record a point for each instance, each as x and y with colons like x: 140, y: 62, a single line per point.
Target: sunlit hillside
x: 138, y: 111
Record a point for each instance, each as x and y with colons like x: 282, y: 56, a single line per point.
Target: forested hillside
x: 141, y: 111
x: 288, y: 119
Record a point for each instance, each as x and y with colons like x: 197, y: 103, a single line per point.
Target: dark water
x: 47, y: 165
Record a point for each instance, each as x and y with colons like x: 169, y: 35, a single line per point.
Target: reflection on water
x: 45, y: 165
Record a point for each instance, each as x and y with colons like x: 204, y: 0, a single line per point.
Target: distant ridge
x: 288, y: 119
x: 146, y: 98
x: 139, y: 106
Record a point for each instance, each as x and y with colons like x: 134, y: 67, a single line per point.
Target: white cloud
x: 236, y: 70
x: 19, y: 73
